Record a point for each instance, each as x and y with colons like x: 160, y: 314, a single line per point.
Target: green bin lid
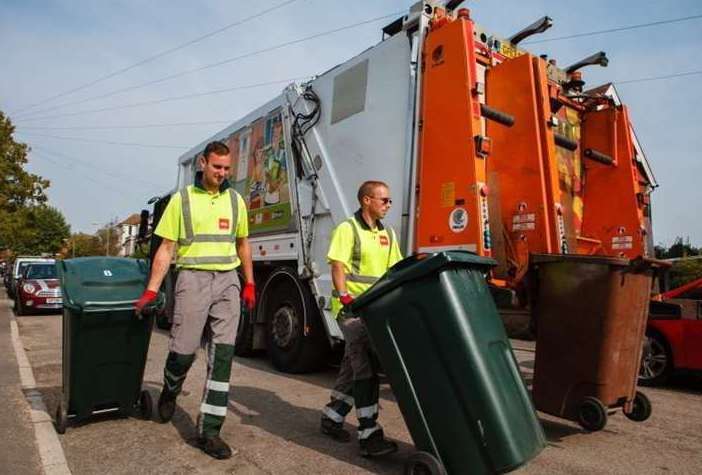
x: 416, y: 267
x: 102, y: 281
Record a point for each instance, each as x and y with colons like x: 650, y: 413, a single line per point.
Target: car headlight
x: 29, y: 288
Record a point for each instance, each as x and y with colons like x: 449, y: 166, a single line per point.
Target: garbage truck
x: 485, y: 147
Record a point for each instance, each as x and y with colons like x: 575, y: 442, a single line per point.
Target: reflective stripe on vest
x: 191, y: 237
x: 355, y: 275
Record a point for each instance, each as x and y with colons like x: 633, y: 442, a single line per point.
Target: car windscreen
x: 41, y: 271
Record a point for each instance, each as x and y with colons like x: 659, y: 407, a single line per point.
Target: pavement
x: 18, y: 451
x: 273, y: 422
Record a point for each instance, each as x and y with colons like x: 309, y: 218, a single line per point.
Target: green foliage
x: 685, y: 271
x: 81, y: 244
x: 27, y: 224
x: 680, y: 248
x: 35, y: 230
x: 18, y: 188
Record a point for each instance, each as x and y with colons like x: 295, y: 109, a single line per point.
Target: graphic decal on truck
x: 260, y: 171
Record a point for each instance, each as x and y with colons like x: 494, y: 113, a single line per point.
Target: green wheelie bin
x: 104, y: 342
x: 440, y: 340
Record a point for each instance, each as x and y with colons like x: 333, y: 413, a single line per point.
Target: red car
x: 673, y: 335
x: 38, y: 289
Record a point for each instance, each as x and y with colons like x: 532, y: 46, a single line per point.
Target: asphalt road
x: 273, y: 423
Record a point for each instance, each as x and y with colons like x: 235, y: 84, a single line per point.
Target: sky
x: 103, y: 145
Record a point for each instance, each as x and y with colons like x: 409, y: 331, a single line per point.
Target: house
x: 127, y: 232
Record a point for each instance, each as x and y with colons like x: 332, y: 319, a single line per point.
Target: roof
x: 132, y: 220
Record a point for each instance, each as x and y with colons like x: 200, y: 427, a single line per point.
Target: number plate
x: 54, y: 300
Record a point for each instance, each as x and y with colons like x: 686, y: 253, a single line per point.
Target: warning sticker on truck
x: 524, y: 222
x: 622, y: 242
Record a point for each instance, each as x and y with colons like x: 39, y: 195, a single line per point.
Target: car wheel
x: 656, y: 360
x: 19, y: 310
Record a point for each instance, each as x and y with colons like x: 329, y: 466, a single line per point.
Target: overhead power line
x: 215, y: 122
x: 158, y: 55
x: 167, y: 99
x: 136, y: 126
x: 213, y: 65
x: 658, y: 78
x: 614, y: 30
x: 81, y: 139
x: 67, y: 161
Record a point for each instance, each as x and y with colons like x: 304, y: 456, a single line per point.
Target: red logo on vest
x: 223, y: 223
x: 384, y: 241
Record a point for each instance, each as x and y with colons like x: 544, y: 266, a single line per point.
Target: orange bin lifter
x: 452, y: 196
x: 564, y: 177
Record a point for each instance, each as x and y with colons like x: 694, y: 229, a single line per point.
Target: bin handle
x: 641, y: 263
x: 109, y: 303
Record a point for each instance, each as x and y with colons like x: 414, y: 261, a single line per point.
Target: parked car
x: 673, y: 336
x: 20, y: 263
x: 38, y: 289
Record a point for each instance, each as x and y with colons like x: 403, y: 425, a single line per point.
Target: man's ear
x: 202, y: 162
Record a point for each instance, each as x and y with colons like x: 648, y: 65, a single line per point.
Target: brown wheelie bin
x: 590, y: 316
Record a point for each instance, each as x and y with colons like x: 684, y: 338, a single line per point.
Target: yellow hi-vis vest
x: 206, y: 227
x: 372, y: 253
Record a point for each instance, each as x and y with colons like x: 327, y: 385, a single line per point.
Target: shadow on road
x: 300, y: 425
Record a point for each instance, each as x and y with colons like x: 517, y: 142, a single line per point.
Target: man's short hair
x: 367, y: 188
x: 216, y: 147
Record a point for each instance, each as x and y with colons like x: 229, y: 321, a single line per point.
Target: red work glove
x: 146, y: 298
x: 248, y: 295
x: 346, y: 300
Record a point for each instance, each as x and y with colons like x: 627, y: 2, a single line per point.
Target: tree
x: 36, y: 230
x: 21, y: 194
x: 109, y: 232
x: 81, y: 244
x: 18, y: 188
x: 679, y: 248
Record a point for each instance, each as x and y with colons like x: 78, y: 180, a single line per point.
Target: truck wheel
x: 292, y: 348
x: 243, y: 345
x: 146, y: 405
x: 642, y: 408
x: 423, y: 463
x: 164, y: 318
x: 61, y: 419
x: 592, y: 414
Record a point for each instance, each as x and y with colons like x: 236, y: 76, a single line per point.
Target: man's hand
x: 248, y: 295
x: 146, y: 298
x: 346, y: 300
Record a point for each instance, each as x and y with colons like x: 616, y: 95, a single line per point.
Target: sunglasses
x: 386, y: 201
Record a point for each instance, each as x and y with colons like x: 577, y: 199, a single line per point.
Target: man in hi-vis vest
x: 361, y: 250
x: 208, y: 222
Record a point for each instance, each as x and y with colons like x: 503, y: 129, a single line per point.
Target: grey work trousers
x: 357, y: 383
x: 207, y: 309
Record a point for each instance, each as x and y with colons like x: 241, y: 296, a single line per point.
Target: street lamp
x: 109, y: 227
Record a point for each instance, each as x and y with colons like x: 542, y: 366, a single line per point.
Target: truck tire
x: 164, y: 318
x: 287, y: 305
x: 243, y: 345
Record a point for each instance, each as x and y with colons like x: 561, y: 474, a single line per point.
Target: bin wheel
x: 423, y: 463
x: 146, y: 405
x: 642, y: 408
x: 61, y: 419
x: 592, y: 414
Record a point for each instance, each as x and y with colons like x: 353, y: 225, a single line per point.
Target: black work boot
x: 215, y: 447
x: 376, y: 445
x: 335, y: 430
x: 166, y: 405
